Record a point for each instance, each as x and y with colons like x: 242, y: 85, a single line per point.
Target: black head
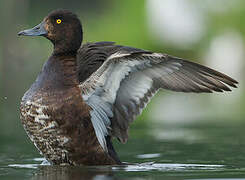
x: 62, y: 28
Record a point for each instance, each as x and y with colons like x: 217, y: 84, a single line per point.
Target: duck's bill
x: 38, y: 30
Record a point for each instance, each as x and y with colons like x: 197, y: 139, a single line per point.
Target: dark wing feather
x: 171, y: 73
x: 124, y: 82
x: 91, y: 56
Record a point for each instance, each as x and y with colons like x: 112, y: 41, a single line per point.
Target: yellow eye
x: 58, y: 21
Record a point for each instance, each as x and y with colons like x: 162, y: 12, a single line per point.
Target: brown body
x: 57, y: 120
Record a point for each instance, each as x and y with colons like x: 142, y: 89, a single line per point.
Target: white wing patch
x: 100, y: 90
x: 118, y: 55
x: 117, y: 74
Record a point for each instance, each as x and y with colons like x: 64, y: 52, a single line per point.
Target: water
x: 194, y: 151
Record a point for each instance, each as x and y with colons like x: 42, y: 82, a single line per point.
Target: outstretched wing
x: 122, y: 86
x: 92, y: 55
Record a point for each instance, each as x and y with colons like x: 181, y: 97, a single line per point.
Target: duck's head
x: 62, y: 28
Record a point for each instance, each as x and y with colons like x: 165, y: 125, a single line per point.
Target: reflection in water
x: 73, y: 173
x: 111, y: 172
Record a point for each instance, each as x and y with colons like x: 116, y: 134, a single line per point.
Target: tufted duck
x: 85, y: 95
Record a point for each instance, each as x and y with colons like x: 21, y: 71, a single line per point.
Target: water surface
x: 194, y: 151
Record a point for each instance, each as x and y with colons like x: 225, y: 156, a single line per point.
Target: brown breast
x: 59, y: 125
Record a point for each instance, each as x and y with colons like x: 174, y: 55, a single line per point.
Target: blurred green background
x: 210, y: 32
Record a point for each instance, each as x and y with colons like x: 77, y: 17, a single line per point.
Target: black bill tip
x: 21, y: 33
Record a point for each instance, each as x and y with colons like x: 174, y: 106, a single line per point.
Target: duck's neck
x: 64, y: 48
x: 59, y: 72
x: 69, y: 44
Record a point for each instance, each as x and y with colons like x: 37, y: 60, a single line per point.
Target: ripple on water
x: 148, y: 156
x: 148, y: 166
x: 26, y: 166
x: 41, y: 161
x: 168, y: 167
